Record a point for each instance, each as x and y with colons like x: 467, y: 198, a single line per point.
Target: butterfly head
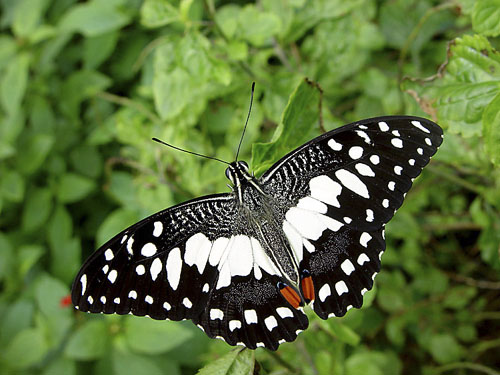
x: 237, y: 171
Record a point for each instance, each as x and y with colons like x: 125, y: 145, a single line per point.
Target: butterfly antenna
x: 246, y: 122
x: 189, y: 152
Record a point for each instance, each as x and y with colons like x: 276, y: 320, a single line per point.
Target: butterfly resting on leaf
x: 242, y: 265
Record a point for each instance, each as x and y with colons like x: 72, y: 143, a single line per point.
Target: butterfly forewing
x: 222, y: 260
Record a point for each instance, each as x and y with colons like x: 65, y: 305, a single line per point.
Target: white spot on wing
x: 284, y: 312
x: 90, y: 300
x: 148, y: 299
x: 240, y: 256
x: 140, y: 270
x: 186, y: 302
x: 130, y: 242
x: 397, y: 142
x: 167, y: 306
x: 369, y: 215
x: 326, y: 190
x: 105, y: 269
x: 391, y: 185
x: 148, y: 250
x: 307, y: 223
x: 355, y: 152
x: 324, y: 292
x: 341, y: 287
x: 158, y: 229
x: 234, y: 324
x: 383, y: 126
x: 311, y: 204
x: 398, y: 169
x: 295, y: 240
x: 347, y: 267
x: 375, y: 159
x: 250, y: 316
x: 352, y: 182
x: 420, y: 151
x: 363, y: 135
x: 364, y: 238
x: 83, y: 280
x: 132, y: 294
x: 174, y: 267
x: 205, y: 288
x: 217, y: 251
x: 271, y: 323
x: 117, y: 300
x: 428, y: 141
x: 216, y: 314
x: 419, y: 125
x: 335, y: 146
x: 411, y: 162
x: 385, y: 203
x: 112, y: 276
x: 155, y: 268
x: 364, y: 170
x: 362, y: 259
x: 198, y: 249
x: 108, y: 254
x: 103, y: 299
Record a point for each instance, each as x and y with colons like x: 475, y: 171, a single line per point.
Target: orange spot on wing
x: 291, y: 296
x: 307, y: 289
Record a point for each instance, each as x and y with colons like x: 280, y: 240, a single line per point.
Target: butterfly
x: 242, y: 265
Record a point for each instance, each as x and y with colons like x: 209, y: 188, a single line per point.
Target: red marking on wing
x: 291, y: 296
x: 307, y: 289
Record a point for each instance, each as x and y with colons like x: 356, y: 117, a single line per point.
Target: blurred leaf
x: 298, y: 120
x: 491, y: 130
x: 236, y: 362
x: 28, y: 256
x: 459, y: 297
x: 98, y: 48
x: 37, y: 209
x: 87, y: 161
x: 93, y: 18
x: 172, y: 93
x: 18, y: 317
x: 61, y: 366
x: 486, y: 17
x: 27, y: 348
x: 444, y: 348
x: 49, y: 292
x: 12, y: 186
x: 341, y: 331
x: 89, y: 342
x: 257, y: 27
x: 73, y: 187
x: 36, y: 147
x: 144, y: 335
x: 27, y: 16
x: 125, y: 363
x: 157, y: 13
x: 13, y: 83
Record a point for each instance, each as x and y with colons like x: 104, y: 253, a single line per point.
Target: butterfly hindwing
x: 339, y: 191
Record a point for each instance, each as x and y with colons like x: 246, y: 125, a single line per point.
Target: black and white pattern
x: 242, y: 265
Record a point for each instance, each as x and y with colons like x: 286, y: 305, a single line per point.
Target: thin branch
x: 457, y: 180
x: 282, y: 362
x: 481, y: 284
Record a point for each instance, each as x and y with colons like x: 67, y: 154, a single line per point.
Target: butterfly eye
x: 243, y: 164
x: 229, y: 175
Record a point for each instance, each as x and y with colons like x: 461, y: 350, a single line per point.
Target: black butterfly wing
x: 197, y: 261
x: 337, y: 193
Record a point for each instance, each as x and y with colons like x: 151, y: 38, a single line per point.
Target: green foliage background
x: 85, y: 85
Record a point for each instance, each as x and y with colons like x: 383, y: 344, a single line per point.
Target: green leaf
x: 16, y: 318
x: 61, y: 366
x: 172, y: 92
x: 341, y: 331
x: 65, y: 259
x: 73, y: 187
x: 89, y: 342
x: 486, y: 17
x: 13, y: 84
x: 87, y: 161
x: 28, y: 256
x: 37, y: 209
x: 145, y: 335
x: 60, y: 226
x: 236, y: 362
x: 94, y: 18
x: 444, y: 348
x: 12, y: 186
x: 49, y: 292
x: 297, y: 123
x: 257, y: 27
x: 127, y: 363
x: 36, y: 148
x: 491, y: 130
x: 27, y: 348
x: 27, y: 16
x: 98, y: 48
x: 157, y: 13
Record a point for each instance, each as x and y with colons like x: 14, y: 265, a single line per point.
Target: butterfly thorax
x: 261, y: 211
